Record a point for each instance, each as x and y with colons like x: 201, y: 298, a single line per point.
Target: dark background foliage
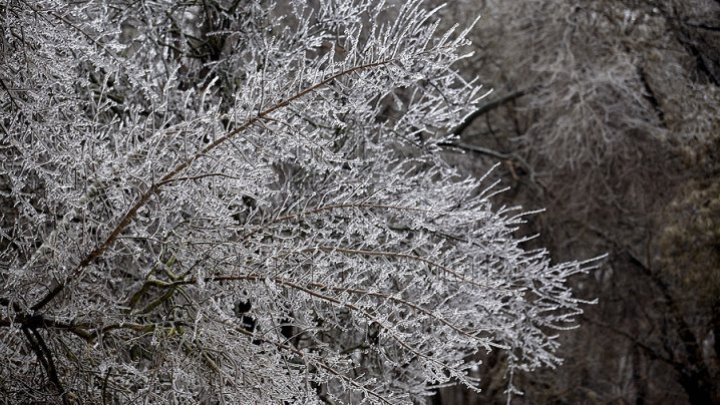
x: 607, y: 115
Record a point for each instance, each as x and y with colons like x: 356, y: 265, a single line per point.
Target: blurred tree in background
x: 608, y: 115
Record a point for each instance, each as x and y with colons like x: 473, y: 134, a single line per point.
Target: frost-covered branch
x: 246, y: 202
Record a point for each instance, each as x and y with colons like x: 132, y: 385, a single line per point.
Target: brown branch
x: 9, y: 93
x: 42, y: 322
x: 330, y: 208
x: 477, y: 149
x: 44, y: 355
x: 429, y: 262
x: 198, y: 177
x: 486, y: 108
x: 155, y: 188
x: 399, y: 301
x: 509, y: 158
x: 319, y: 286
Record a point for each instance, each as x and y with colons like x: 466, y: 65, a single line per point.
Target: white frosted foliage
x: 245, y: 202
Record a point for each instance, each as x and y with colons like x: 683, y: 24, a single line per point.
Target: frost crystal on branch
x: 244, y: 202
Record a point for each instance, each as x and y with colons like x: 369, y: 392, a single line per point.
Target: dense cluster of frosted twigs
x: 244, y: 202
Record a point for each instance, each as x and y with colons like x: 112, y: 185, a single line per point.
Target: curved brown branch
x: 486, y: 108
x: 155, y: 188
